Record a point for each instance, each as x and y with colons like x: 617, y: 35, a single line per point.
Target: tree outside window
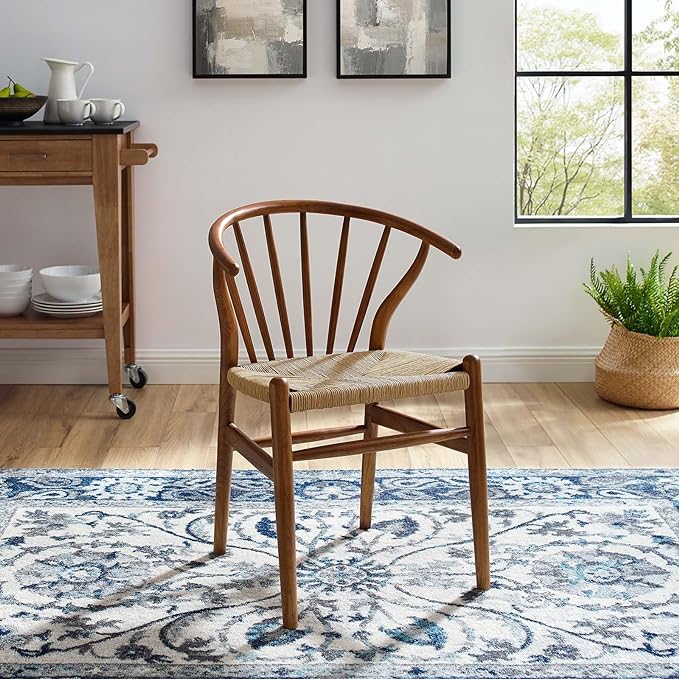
x: 597, y: 105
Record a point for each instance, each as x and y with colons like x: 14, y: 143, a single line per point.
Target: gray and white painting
x: 250, y: 37
x: 394, y: 38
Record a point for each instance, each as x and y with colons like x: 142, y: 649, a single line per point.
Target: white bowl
x: 15, y: 273
x: 15, y: 281
x: 15, y: 287
x: 71, y: 283
x: 15, y: 295
x: 14, y: 307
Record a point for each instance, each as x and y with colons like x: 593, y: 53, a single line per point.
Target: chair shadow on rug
x: 352, y: 377
x: 81, y: 619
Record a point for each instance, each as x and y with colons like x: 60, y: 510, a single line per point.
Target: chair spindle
x: 241, y: 318
x: 369, y: 288
x: 254, y: 292
x: 306, y: 284
x: 337, y: 290
x: 278, y: 286
x: 378, y: 334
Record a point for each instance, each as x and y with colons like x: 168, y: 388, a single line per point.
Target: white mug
x: 107, y: 111
x: 75, y: 111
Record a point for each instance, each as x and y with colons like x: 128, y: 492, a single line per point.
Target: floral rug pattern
x: 109, y: 574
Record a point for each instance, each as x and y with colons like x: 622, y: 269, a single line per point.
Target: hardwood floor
x: 527, y: 425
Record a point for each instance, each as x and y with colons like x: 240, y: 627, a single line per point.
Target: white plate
x: 82, y: 305
x: 80, y: 315
x: 76, y: 310
x: 67, y: 314
x: 47, y: 300
x: 74, y: 307
x: 57, y: 312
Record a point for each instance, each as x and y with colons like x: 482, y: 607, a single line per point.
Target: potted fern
x: 639, y: 364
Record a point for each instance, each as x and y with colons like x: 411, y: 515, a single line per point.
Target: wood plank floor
x: 527, y: 425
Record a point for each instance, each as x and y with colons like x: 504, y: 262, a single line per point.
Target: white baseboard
x: 87, y: 366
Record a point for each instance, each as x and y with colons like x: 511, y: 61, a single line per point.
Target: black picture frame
x: 227, y: 76
x: 423, y: 76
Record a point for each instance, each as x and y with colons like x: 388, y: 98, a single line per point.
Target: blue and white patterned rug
x: 108, y: 574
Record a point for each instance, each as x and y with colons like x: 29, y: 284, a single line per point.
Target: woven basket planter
x: 638, y: 370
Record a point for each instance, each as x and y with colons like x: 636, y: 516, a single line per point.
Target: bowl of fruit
x: 18, y: 103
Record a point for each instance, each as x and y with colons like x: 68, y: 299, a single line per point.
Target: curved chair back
x: 230, y: 307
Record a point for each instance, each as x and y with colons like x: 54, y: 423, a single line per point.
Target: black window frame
x: 628, y: 73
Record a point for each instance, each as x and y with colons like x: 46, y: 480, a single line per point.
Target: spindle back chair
x: 284, y: 385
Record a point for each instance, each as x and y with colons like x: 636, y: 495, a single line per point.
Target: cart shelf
x: 33, y: 325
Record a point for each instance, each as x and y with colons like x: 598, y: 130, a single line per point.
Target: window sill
x: 597, y: 225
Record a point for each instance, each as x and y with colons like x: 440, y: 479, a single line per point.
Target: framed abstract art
x: 393, y: 38
x: 249, y: 39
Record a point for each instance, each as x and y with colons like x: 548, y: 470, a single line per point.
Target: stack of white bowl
x: 15, y: 289
x: 71, y: 292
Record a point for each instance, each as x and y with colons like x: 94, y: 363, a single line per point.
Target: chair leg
x: 284, y: 490
x: 473, y: 401
x: 227, y: 405
x: 368, y: 465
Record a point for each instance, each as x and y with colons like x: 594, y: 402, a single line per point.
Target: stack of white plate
x: 46, y: 304
x: 15, y: 289
x: 72, y: 292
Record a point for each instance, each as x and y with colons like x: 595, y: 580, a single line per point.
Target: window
x: 597, y: 111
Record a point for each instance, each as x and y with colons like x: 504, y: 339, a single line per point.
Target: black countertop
x: 38, y: 128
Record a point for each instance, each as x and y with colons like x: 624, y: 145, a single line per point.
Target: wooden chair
x: 334, y: 379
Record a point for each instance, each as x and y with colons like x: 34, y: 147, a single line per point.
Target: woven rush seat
x: 356, y: 378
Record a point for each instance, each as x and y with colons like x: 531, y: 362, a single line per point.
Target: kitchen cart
x: 103, y: 156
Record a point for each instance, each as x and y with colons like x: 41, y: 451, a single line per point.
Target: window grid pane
x: 570, y: 35
x: 655, y: 110
x: 570, y: 147
x: 655, y: 28
x: 596, y: 128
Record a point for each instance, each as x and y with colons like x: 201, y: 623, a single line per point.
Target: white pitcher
x: 63, y: 85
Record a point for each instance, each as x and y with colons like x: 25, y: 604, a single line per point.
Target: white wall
x: 439, y: 152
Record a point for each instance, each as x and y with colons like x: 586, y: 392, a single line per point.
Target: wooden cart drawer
x: 45, y: 155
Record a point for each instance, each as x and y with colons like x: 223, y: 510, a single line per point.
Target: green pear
x: 22, y: 92
x: 6, y: 92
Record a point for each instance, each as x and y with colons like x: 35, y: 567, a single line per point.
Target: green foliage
x: 648, y: 304
x: 570, y: 130
x: 656, y: 164
x: 552, y: 39
x: 570, y: 146
x: 657, y: 103
x: 662, y: 33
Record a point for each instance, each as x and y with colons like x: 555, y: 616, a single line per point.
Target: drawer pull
x: 28, y: 156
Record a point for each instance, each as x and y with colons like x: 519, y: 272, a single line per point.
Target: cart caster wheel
x: 131, y: 410
x: 137, y: 376
x: 125, y: 408
x: 142, y: 380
